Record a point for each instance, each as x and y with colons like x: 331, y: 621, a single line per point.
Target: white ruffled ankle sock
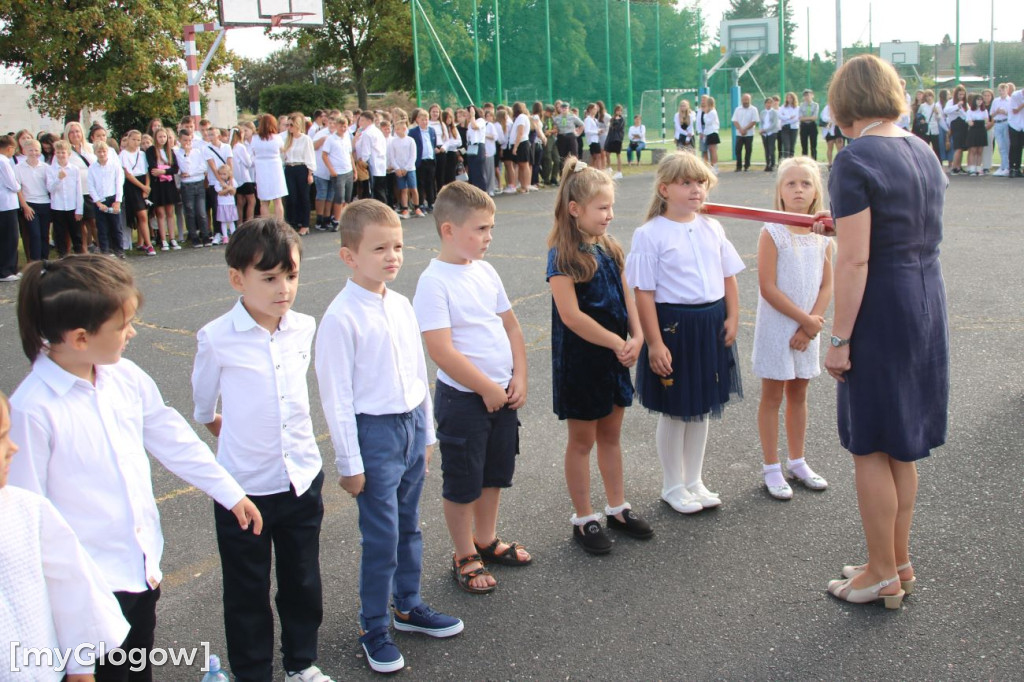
x: 577, y: 521
x: 612, y: 511
x: 773, y: 475
x: 799, y: 468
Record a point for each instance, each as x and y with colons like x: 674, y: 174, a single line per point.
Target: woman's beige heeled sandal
x: 907, y: 585
x: 843, y: 589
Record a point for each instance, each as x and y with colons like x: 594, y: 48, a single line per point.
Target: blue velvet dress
x: 587, y: 381
x: 896, y: 394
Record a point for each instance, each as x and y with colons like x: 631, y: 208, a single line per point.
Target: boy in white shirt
x: 321, y: 175
x: 473, y: 336
x: 66, y: 201
x: 255, y: 359
x: 10, y: 187
x: 375, y: 393
x: 372, y: 148
x: 106, y: 184
x: 336, y: 154
x: 35, y: 200
x: 402, y: 159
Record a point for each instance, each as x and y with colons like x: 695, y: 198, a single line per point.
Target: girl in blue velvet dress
x: 595, y: 339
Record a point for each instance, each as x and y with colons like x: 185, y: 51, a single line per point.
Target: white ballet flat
x: 780, y: 492
x: 812, y: 482
x: 843, y: 589
x: 707, y: 499
x: 850, y: 571
x: 680, y: 499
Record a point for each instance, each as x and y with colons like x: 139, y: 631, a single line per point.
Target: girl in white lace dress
x: 795, y: 279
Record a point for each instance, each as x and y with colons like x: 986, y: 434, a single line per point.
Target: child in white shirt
x: 106, y: 185
x: 66, y: 200
x: 87, y: 417
x: 402, y: 158
x: 10, y: 188
x: 35, y: 200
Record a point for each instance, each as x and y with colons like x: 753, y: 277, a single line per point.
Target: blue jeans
x: 637, y: 147
x: 1001, y: 132
x: 193, y: 200
x: 392, y: 447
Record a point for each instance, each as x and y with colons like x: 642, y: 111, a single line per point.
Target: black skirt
x: 713, y: 138
x: 977, y: 136
x: 705, y: 373
x: 958, y: 133
x: 133, y: 199
x: 164, y: 193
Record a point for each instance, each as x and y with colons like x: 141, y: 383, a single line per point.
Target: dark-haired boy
x: 255, y: 359
x: 375, y: 392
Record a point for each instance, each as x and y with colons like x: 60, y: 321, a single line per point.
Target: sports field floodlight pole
x: 476, y: 48
x: 808, y: 86
x: 416, y: 55
x: 497, y: 51
x: 547, y: 32
x: 193, y: 71
x: 629, y: 63
x: 958, y: 41
x: 607, y: 54
x: 839, y: 32
x: 992, y: 46
x: 782, y: 44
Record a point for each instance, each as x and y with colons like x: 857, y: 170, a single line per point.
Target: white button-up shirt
x: 191, y: 165
x: 83, y: 447
x: 9, y: 185
x: 372, y: 147
x: 682, y: 262
x: 65, y: 193
x: 106, y: 180
x: 33, y: 181
x: 52, y: 595
x: 369, y: 360
x: 266, y: 437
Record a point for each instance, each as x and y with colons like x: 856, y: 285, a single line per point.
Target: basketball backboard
x: 899, y: 53
x: 746, y: 37
x: 263, y: 12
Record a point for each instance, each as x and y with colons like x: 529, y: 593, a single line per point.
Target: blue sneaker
x: 381, y: 653
x: 428, y: 621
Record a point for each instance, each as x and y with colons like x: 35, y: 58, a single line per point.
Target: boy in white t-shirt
x: 473, y: 336
x: 336, y: 153
x: 402, y: 162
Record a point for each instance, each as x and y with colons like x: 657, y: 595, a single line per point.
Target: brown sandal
x: 510, y: 557
x: 463, y: 578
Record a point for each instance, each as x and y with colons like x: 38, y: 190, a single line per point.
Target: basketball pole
x: 629, y: 62
x: 839, y: 34
x: 782, y: 44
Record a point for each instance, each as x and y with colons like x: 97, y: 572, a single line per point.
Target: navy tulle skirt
x: 705, y: 373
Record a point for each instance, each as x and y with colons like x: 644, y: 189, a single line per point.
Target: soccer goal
x: 657, y: 107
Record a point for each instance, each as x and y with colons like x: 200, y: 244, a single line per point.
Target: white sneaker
x: 216, y: 240
x: 680, y: 499
x: 617, y: 176
x: 174, y: 245
x: 11, y: 278
x: 510, y: 190
x: 534, y: 188
x: 310, y: 674
x: 701, y: 494
x: 1001, y: 173
x: 164, y: 246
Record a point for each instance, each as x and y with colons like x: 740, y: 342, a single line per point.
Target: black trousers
x: 769, y: 149
x: 476, y: 166
x: 9, y: 242
x: 743, y: 142
x: 566, y: 147
x: 139, y: 609
x: 788, y: 138
x: 65, y: 226
x: 379, y: 189
x: 1016, y: 148
x: 108, y: 228
x: 291, y: 525
x: 809, y: 135
x: 296, y: 204
x: 425, y: 181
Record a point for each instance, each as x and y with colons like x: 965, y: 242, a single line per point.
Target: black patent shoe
x: 633, y: 526
x: 592, y: 538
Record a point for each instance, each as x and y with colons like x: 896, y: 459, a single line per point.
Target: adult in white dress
x: 268, y: 166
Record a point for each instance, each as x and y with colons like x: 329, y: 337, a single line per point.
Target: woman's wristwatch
x: 838, y: 342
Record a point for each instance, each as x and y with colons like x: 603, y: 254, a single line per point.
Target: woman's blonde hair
x: 804, y: 163
x: 298, y: 127
x: 86, y: 145
x: 675, y: 167
x: 566, y: 238
x: 865, y: 88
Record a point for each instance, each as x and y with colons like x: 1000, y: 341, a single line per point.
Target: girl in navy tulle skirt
x: 683, y: 269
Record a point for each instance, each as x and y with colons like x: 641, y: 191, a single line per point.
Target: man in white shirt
x: 9, y: 189
x: 1016, y: 126
x: 1000, y: 113
x: 255, y: 359
x: 371, y: 148
x: 744, y: 119
x: 106, y: 185
x: 192, y: 169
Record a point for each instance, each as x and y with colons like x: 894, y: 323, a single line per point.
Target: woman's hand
x: 837, y: 362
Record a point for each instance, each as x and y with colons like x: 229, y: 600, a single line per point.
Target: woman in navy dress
x: 890, y: 346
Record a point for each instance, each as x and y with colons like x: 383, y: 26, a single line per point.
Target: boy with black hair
x: 255, y: 359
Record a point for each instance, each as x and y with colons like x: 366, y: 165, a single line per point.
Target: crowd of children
x: 670, y: 308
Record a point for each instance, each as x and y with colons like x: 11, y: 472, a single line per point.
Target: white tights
x: 681, y: 450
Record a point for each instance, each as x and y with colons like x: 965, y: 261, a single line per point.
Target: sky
x: 925, y: 21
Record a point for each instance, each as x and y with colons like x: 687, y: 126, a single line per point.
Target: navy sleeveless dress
x: 587, y: 381
x: 896, y: 393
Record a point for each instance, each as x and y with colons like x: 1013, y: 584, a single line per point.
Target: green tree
x: 304, y: 97
x: 289, y: 65
x: 80, y: 53
x: 368, y: 39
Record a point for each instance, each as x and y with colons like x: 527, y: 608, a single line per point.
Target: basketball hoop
x: 288, y: 18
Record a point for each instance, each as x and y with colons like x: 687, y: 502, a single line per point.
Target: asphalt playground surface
x: 736, y: 593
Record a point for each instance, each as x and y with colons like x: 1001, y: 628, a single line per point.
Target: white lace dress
x: 798, y: 272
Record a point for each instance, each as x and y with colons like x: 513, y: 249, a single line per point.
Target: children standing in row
x: 794, y: 269
x: 375, y: 391
x: 86, y: 418
x: 472, y: 334
x: 595, y: 339
x: 255, y: 359
x: 683, y: 269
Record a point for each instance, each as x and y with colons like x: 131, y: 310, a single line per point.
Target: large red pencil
x: 781, y: 217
